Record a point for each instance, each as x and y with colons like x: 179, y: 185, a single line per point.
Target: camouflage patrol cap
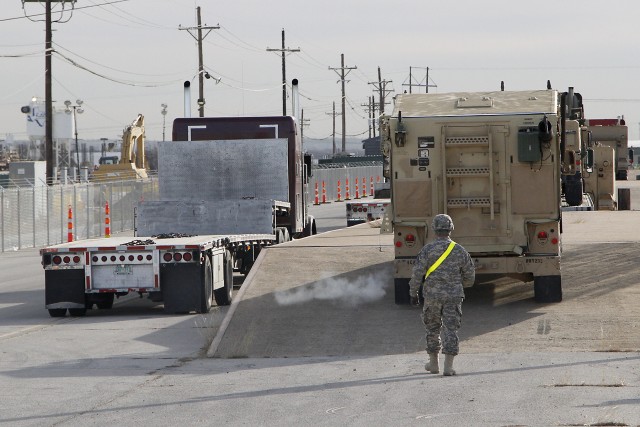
x: 442, y: 222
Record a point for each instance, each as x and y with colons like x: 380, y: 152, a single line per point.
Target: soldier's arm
x: 419, y: 270
x: 468, y: 271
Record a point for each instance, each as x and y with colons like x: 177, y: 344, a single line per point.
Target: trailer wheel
x: 279, y: 236
x: 206, y: 286
x: 224, y: 295
x: 547, y: 288
x: 77, y: 312
x: 57, y: 312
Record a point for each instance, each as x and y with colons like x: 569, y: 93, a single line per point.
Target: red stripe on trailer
x: 602, y: 122
x: 88, y: 281
x: 157, y: 281
x: 86, y: 257
x: 137, y: 248
x: 105, y: 248
x: 164, y: 248
x: 192, y: 246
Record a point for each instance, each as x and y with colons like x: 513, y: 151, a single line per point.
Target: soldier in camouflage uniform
x: 443, y: 293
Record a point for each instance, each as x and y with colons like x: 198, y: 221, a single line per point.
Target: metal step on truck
x: 228, y: 186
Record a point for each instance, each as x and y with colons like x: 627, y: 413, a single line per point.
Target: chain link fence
x: 37, y: 216
x: 34, y: 216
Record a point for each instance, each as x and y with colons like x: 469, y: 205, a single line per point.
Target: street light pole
x: 76, y: 109
x: 164, y: 115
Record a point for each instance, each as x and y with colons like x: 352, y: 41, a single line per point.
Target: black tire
x: 310, y: 227
x: 77, y: 312
x: 573, y: 189
x: 57, y: 312
x: 547, y: 288
x: 224, y: 295
x: 401, y: 288
x: 107, y: 303
x: 206, y: 286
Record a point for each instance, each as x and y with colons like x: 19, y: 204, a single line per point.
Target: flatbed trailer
x: 185, y: 272
x: 228, y: 187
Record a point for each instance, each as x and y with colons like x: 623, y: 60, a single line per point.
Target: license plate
x: 124, y: 269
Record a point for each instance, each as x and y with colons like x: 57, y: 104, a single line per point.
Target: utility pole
x: 381, y: 87
x: 370, y: 108
x: 342, y: 75
x: 48, y: 98
x: 284, y: 72
x: 199, y: 37
x: 334, y: 114
x: 426, y: 83
x: 48, y: 95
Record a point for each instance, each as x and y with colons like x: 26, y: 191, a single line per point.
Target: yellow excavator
x: 132, y: 164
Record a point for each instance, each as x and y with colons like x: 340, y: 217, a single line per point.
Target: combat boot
x: 433, y: 366
x: 448, y: 365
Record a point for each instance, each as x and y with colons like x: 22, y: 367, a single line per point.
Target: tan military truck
x: 492, y: 161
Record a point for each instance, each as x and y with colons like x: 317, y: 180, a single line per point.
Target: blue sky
x: 138, y: 59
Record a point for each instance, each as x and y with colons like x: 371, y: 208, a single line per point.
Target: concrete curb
x: 213, y: 348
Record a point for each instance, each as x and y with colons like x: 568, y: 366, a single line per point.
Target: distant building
x: 372, y: 146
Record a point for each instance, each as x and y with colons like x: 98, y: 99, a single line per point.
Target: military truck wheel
x: 573, y: 190
x: 206, y: 295
x: 224, y: 295
x: 401, y: 291
x: 77, y: 312
x: 57, y: 312
x: 547, y: 288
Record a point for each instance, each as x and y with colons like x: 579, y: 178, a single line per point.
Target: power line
x: 76, y: 8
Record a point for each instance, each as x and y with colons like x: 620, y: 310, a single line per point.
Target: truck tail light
x: 76, y: 259
x: 398, y: 244
x: 409, y: 238
x: 187, y: 256
x: 57, y: 259
x: 542, y: 235
x: 167, y: 257
x: 177, y: 256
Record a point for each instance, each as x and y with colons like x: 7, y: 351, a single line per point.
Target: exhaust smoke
x: 350, y: 292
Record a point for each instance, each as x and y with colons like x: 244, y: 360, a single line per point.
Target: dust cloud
x: 350, y: 292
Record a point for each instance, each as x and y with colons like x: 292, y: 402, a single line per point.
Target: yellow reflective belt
x: 442, y: 258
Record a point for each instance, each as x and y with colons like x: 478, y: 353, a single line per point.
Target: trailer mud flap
x: 180, y: 284
x: 64, y: 289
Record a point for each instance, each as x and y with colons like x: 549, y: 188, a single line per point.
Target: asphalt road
x: 573, y: 363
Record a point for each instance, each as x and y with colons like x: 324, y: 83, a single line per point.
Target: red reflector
x: 364, y: 209
x: 554, y: 241
x: 167, y: 257
x: 95, y: 258
x: 577, y: 162
x: 177, y: 256
x: 187, y: 256
x: 140, y: 257
x: 104, y: 258
x: 398, y: 244
x: 57, y: 260
x: 409, y: 238
x: 131, y: 257
x: 76, y: 259
x: 122, y: 257
x: 66, y: 259
x: 149, y: 257
x: 113, y: 258
x: 542, y: 235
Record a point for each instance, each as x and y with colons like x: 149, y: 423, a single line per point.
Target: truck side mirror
x: 308, y: 172
x: 589, y: 158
